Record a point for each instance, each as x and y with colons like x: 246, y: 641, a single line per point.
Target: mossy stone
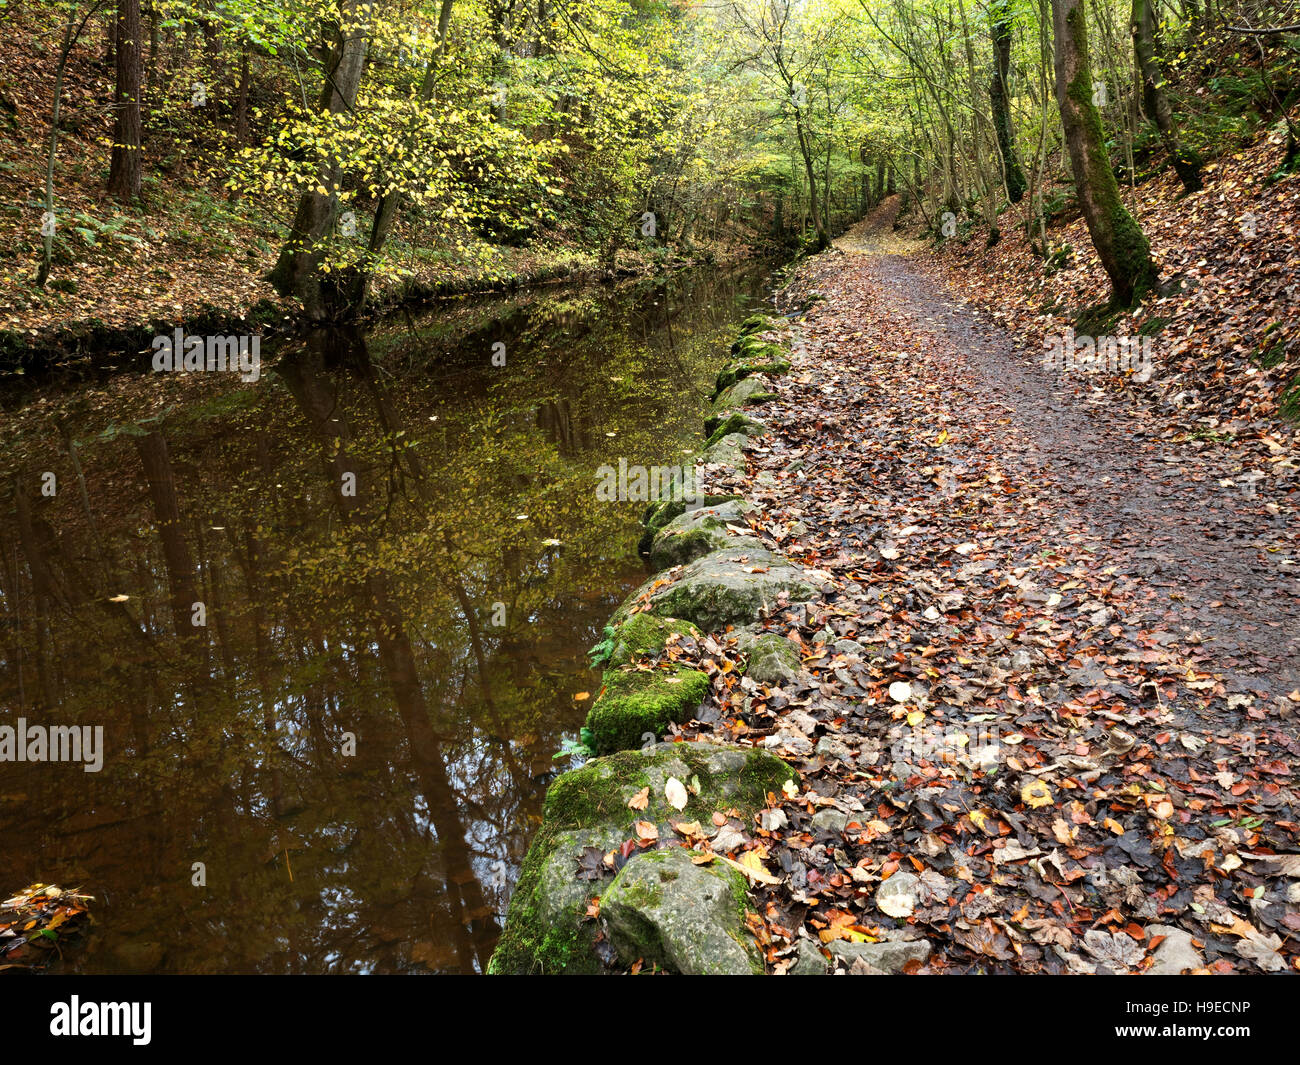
x: 700, y: 532
x: 645, y: 636
x: 657, y: 515
x: 635, y: 703
x: 742, y: 368
x: 729, y: 452
x: 545, y: 930
x: 736, y: 423
x: 773, y: 660
x: 737, y: 395
x: 664, y: 910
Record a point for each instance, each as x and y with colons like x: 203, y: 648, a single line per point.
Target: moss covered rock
x: 756, y: 323
x: 645, y: 636
x: 664, y: 910
x: 771, y: 360
x: 737, y: 395
x: 735, y: 423
x: 545, y: 929
x: 728, y: 451
x: 772, y: 659
x: 657, y: 515
x: 727, y: 587
x: 747, y: 393
x: 700, y: 532
x: 635, y: 703
x: 755, y: 348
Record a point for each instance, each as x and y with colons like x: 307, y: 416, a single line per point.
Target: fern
x: 603, y: 651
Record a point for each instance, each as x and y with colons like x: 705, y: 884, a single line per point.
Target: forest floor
x: 1069, y: 739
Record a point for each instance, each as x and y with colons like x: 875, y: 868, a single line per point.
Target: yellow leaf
x: 1036, y: 794
x: 751, y: 867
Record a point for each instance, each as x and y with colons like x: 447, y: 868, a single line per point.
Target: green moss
x: 657, y: 515
x: 752, y: 349
x: 1152, y: 326
x: 750, y: 342
x: 593, y: 794
x: 1288, y: 404
x: 1129, y: 246
x: 646, y: 895
x: 1267, y: 357
x: 740, y: 903
x: 645, y: 635
x: 740, y: 369
x: 1097, y: 320
x: 756, y: 323
x: 686, y: 547
x: 596, y: 794
x: 734, y: 423
x: 529, y: 946
x: 711, y: 424
x: 640, y: 702
x: 1270, y: 351
x: 763, y: 773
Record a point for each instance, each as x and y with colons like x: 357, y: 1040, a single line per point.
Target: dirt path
x: 1184, y: 520
x: 1048, y: 687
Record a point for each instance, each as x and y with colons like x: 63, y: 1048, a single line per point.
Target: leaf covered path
x: 1050, y: 689
x: 1189, y: 518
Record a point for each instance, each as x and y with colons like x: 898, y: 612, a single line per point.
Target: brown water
x: 356, y: 744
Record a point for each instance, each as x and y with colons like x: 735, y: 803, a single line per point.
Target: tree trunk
x: 297, y: 272
x: 241, y: 107
x: 156, y: 459
x: 125, y: 168
x: 389, y: 202
x: 1012, y: 175
x: 1120, y: 242
x: 823, y: 238
x: 1154, y: 102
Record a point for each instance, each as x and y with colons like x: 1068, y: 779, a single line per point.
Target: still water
x: 336, y: 763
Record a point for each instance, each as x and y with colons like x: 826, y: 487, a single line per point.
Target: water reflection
x: 394, y: 552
